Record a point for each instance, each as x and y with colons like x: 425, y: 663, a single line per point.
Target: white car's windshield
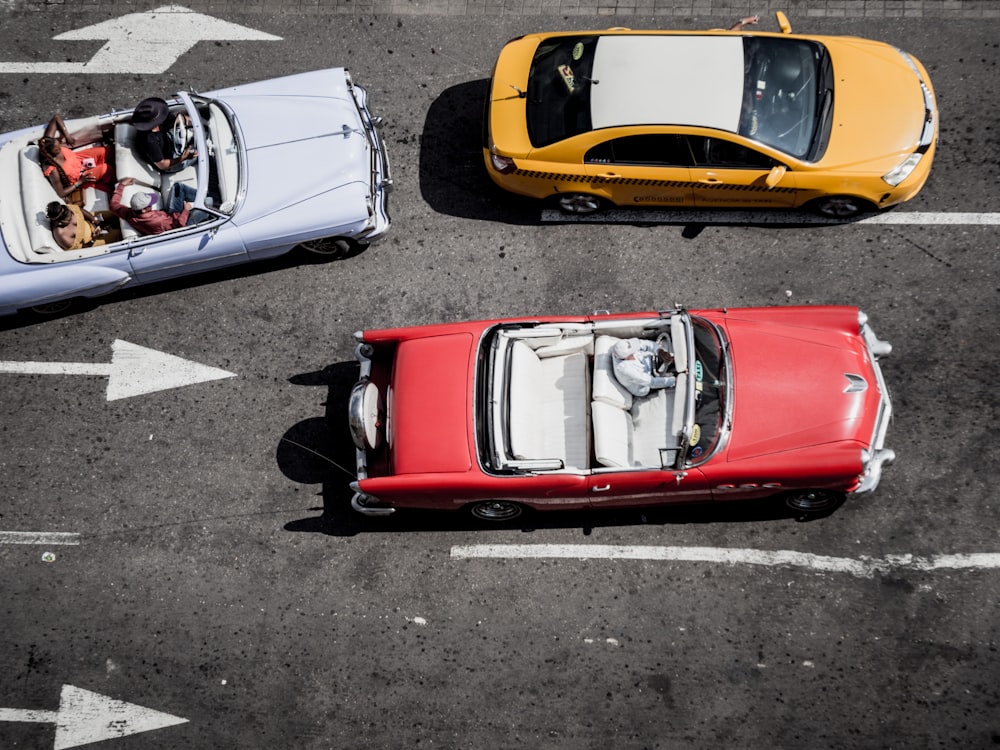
x: 222, y: 155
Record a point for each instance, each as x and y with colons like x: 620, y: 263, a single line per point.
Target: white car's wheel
x: 53, y: 308
x: 331, y: 247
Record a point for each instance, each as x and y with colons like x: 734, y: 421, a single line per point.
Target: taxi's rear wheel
x: 840, y: 206
x: 578, y: 203
x: 495, y: 510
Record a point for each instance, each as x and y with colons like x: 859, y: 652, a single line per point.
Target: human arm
x: 745, y: 21
x: 57, y: 127
x: 116, y: 199
x: 55, y: 180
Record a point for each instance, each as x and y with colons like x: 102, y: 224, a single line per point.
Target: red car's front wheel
x: 495, y: 510
x: 814, y: 502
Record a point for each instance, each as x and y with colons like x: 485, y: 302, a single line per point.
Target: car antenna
x: 320, y: 455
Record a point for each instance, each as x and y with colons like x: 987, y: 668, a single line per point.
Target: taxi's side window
x: 717, y: 152
x: 646, y: 150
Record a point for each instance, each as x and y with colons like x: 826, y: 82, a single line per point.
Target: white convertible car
x: 287, y: 162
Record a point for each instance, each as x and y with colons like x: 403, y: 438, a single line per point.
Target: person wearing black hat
x: 155, y: 140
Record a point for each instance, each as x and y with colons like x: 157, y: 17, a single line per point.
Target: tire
x: 814, y: 502
x: 495, y: 510
x: 52, y: 308
x: 840, y: 206
x: 578, y: 203
x: 332, y: 248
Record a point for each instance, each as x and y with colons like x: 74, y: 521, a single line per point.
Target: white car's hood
x: 303, y: 140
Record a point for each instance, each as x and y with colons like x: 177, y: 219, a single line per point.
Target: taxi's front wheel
x: 840, y: 206
x: 578, y: 203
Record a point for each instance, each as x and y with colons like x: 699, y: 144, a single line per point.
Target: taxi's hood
x: 878, y: 106
x: 798, y: 386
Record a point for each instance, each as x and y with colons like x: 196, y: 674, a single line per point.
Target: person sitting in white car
x: 639, y: 365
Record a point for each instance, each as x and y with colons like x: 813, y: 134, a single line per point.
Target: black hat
x: 150, y: 113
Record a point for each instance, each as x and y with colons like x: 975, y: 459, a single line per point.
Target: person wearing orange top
x: 69, y: 170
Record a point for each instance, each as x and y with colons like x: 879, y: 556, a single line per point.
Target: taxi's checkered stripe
x: 598, y: 180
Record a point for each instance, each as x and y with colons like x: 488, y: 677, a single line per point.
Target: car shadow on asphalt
x: 454, y: 182
x: 453, y: 179
x: 296, y: 257
x: 319, y: 451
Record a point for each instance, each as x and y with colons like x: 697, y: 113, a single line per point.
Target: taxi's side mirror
x: 786, y: 28
x: 774, y: 177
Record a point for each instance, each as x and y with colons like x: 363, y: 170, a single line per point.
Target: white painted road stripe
x: 863, y: 567
x: 38, y: 537
x: 752, y: 218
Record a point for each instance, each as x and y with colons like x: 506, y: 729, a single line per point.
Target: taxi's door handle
x: 710, y: 180
x: 609, y: 176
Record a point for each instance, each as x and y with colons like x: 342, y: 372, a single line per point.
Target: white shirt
x: 637, y: 373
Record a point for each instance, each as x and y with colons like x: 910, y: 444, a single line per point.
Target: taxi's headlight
x: 903, y: 170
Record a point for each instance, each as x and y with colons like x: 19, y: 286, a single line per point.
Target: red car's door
x: 610, y: 488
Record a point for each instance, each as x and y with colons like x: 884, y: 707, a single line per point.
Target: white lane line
x: 38, y: 537
x: 752, y: 218
x: 862, y: 567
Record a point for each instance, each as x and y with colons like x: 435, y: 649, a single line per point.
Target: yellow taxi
x: 583, y: 119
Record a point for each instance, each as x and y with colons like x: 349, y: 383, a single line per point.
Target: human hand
x: 750, y: 20
x: 127, y: 181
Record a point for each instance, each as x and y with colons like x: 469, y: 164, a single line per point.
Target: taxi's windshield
x: 787, y: 92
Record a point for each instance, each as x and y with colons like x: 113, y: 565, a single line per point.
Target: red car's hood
x: 429, y: 403
x: 798, y: 386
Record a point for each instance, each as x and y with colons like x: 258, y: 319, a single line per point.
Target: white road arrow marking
x: 134, y: 370
x: 84, y: 717
x: 144, y: 43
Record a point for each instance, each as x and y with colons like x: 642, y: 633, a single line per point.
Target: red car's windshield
x: 712, y: 394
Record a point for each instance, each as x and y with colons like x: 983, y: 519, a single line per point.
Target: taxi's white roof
x: 667, y: 80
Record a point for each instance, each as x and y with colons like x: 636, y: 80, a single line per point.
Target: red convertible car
x: 500, y: 416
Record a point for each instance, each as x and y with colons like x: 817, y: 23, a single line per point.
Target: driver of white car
x: 641, y: 365
x: 162, y: 137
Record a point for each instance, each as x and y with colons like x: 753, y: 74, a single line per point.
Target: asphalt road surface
x: 193, y: 552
